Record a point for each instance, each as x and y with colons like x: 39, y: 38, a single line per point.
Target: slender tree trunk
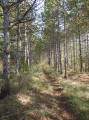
x: 71, y: 54
x: 59, y: 48
x: 60, y: 58
x: 25, y: 42
x: 49, y: 62
x: 5, y: 89
x: 30, y: 53
x: 54, y: 40
x: 28, y: 60
x: 88, y: 37
x: 18, y: 62
x: 58, y: 64
x: 50, y: 54
x: 80, y: 55
x: 85, y: 55
x: 65, y: 43
x: 67, y: 52
x: 87, y: 50
x: 65, y: 60
x: 74, y: 52
x: 56, y: 56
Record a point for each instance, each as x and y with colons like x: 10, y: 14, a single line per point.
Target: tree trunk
x: 25, y: 42
x: 85, y: 55
x: 80, y: 55
x: 18, y: 62
x: 56, y: 57
x: 65, y: 60
x: 71, y: 53
x: 30, y: 53
x: 59, y: 58
x: 88, y: 49
x: 5, y: 89
x: 54, y: 40
x: 74, y: 52
x: 65, y: 43
x: 50, y: 54
x: 49, y: 58
x: 67, y: 52
x: 59, y: 47
x: 28, y: 62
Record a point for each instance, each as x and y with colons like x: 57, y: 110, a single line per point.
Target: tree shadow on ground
x: 40, y: 106
x: 65, y: 111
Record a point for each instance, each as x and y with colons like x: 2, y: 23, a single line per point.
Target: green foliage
x: 75, y: 98
x: 34, y: 87
x: 76, y: 94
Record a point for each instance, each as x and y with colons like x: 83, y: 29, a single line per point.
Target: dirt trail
x: 63, y: 108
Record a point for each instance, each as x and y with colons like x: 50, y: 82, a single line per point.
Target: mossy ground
x: 31, y: 98
x: 75, y: 91
x: 32, y: 95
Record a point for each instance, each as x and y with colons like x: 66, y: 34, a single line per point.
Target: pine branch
x: 14, y: 3
x: 20, y: 20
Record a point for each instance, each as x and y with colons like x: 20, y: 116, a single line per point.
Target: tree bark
x: 74, y: 52
x: 48, y: 51
x: 85, y: 55
x: 65, y: 43
x: 67, y: 52
x: 59, y: 46
x: 87, y: 50
x: 18, y: 62
x: 71, y: 53
x: 5, y: 89
x: 30, y: 53
x: 50, y: 54
x: 25, y: 42
x: 28, y: 62
x: 80, y: 55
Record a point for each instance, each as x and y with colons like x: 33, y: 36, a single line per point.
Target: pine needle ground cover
x: 31, y: 98
x: 75, y: 92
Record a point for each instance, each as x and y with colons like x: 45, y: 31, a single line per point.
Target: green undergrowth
x: 77, y: 97
x: 51, y: 71
x: 31, y: 98
x: 75, y: 93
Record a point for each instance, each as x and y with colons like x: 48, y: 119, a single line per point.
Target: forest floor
x: 43, y: 94
x: 63, y: 108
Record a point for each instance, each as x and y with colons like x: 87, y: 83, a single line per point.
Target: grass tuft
x: 31, y: 97
x: 75, y: 91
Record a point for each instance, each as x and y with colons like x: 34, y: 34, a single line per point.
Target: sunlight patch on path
x: 23, y: 99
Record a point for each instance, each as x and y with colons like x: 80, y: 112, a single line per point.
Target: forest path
x: 63, y: 108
